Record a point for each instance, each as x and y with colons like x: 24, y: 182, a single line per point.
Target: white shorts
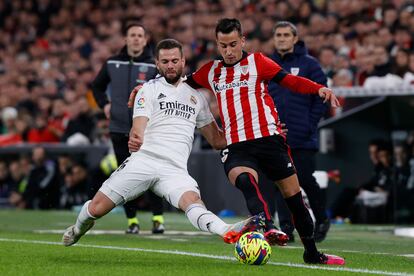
x: 141, y: 172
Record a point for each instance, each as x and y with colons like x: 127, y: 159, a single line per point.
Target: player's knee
x: 245, y: 180
x: 100, y: 207
x: 189, y: 198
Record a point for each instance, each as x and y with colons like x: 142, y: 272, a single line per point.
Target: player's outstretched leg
x: 84, y: 222
x: 206, y: 221
x: 93, y: 209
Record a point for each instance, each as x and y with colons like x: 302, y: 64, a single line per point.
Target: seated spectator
x: 74, y: 190
x: 42, y: 191
x: 19, y: 172
x: 5, y: 183
x: 409, y: 75
x: 374, y: 194
x: 404, y: 207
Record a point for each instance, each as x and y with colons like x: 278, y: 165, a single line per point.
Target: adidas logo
x: 161, y: 96
x: 289, y: 165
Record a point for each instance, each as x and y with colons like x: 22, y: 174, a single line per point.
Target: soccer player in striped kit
x: 253, y: 131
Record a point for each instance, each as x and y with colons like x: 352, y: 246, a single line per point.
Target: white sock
x: 84, y: 219
x: 204, y: 220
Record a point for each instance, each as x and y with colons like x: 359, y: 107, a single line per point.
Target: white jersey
x: 173, y: 113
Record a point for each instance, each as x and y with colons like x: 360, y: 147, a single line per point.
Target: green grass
x: 26, y: 252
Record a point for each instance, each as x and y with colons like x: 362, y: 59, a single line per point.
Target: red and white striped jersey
x: 246, y: 109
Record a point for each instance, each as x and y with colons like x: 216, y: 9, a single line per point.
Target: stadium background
x: 50, y: 51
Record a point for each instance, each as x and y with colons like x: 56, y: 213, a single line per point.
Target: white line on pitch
x: 169, y: 233
x: 217, y: 257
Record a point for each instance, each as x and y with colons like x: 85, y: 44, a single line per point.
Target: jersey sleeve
x: 267, y: 69
x: 204, y: 117
x: 143, y: 102
x: 199, y: 79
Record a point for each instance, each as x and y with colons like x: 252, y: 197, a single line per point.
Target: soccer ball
x: 253, y: 249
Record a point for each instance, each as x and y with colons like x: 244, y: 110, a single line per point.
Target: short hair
x: 131, y: 25
x: 284, y: 24
x: 168, y: 43
x: 228, y: 25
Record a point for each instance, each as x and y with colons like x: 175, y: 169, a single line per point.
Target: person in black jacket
x: 134, y: 65
x: 301, y: 114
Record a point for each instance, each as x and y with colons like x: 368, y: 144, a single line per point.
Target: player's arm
x: 99, y: 85
x: 214, y: 135
x: 199, y: 79
x: 270, y: 70
x: 136, y: 134
x: 142, y: 109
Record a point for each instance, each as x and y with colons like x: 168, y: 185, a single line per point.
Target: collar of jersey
x: 158, y: 76
x: 245, y: 54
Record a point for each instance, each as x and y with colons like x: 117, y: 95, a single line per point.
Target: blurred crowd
x: 50, y: 52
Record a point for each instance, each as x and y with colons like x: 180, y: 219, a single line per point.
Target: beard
x: 172, y: 79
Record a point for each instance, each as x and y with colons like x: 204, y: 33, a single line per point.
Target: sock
x: 130, y: 209
x: 159, y: 218
x: 204, y: 220
x: 255, y: 201
x: 302, y: 221
x: 133, y: 220
x: 84, y: 220
x: 157, y: 204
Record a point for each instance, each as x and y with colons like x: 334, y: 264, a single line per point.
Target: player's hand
x: 132, y: 95
x: 135, y: 141
x: 284, y: 128
x: 328, y: 95
x: 107, y: 110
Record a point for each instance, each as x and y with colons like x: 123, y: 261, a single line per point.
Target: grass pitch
x: 30, y: 245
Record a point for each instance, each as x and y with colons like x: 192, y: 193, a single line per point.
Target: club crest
x: 294, y: 71
x: 244, y: 69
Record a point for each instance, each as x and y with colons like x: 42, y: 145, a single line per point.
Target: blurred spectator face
x: 385, y: 37
x: 38, y: 155
x: 78, y: 174
x: 65, y: 162
x: 390, y: 16
x: 9, y: 116
x: 373, y: 153
x: 342, y: 62
x: 284, y: 40
x: 327, y: 57
x: 15, y: 170
x: 230, y: 46
x: 171, y: 64
x: 380, y: 55
x: 44, y: 104
x: 384, y: 157
x: 58, y: 108
x: 83, y: 106
x: 343, y: 78
x: 400, y: 155
x: 402, y: 38
x: 401, y: 58
x: 135, y: 40
x: 3, y: 170
x: 411, y: 62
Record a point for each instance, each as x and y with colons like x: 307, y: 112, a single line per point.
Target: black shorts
x: 268, y: 154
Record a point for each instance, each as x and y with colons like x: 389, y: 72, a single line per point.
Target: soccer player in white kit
x: 166, y: 111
